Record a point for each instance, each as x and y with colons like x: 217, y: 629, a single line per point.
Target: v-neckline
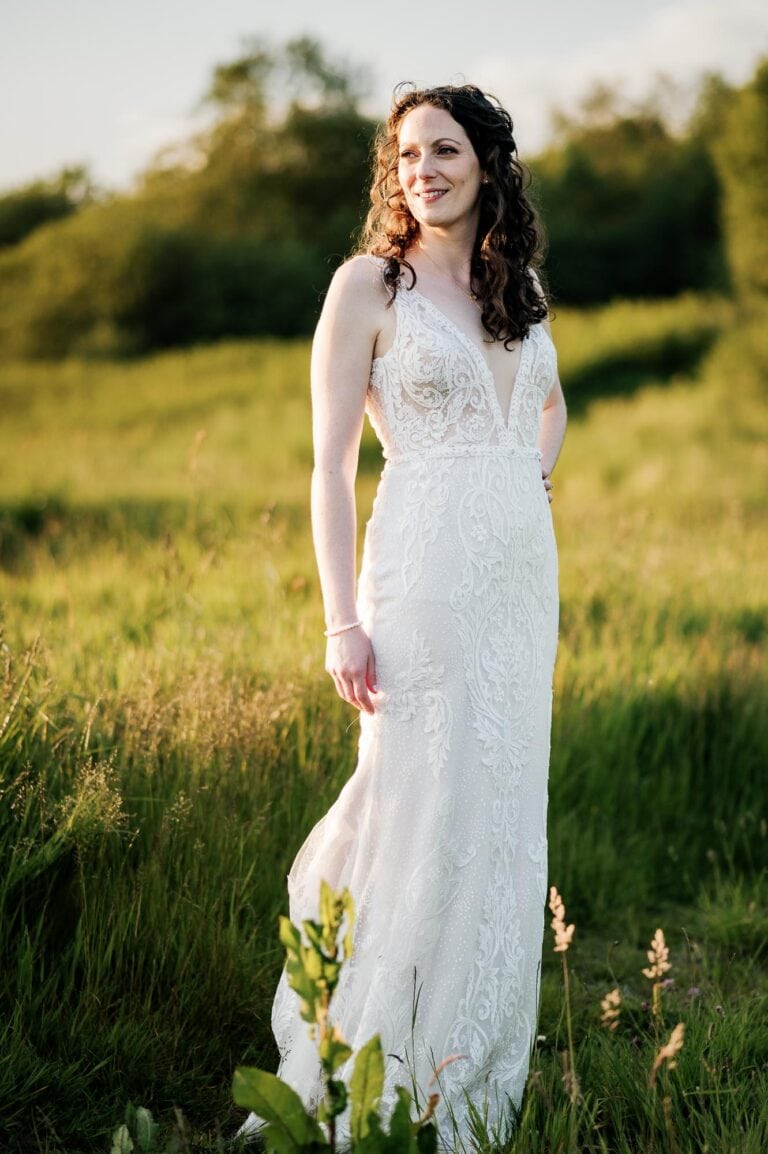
x: 471, y: 344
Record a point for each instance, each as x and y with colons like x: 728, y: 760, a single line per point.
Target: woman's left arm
x: 554, y: 419
x: 554, y: 416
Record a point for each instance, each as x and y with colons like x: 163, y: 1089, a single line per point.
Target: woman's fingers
x: 370, y: 674
x: 353, y: 670
x: 340, y: 687
x: 352, y: 688
x: 362, y: 697
x: 355, y: 692
x: 359, y: 690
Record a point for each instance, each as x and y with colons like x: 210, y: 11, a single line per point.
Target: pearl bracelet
x: 343, y: 629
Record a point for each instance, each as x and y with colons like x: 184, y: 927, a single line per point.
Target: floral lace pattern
x: 433, y: 388
x: 440, y: 832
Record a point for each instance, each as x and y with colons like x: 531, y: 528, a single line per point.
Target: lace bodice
x: 432, y: 393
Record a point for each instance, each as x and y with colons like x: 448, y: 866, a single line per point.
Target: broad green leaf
x: 426, y: 1138
x: 295, y: 968
x: 375, y: 1141
x: 122, y: 1143
x: 365, y: 1086
x: 279, y: 1105
x: 299, y: 980
x: 146, y: 1129
x: 327, y: 898
x: 331, y: 970
x: 313, y: 964
x: 290, y: 936
x: 401, y: 1139
x: 308, y: 1012
x: 312, y: 929
x: 349, y: 909
x: 278, y: 1142
x: 306, y: 989
x: 315, y: 936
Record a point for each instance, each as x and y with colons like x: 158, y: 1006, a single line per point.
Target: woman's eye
x: 446, y: 148
x: 406, y: 155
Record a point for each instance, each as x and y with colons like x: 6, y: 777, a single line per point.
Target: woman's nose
x: 425, y: 165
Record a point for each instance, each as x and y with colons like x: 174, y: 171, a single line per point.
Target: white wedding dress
x: 440, y: 833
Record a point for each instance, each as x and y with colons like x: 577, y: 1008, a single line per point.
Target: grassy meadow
x: 168, y: 735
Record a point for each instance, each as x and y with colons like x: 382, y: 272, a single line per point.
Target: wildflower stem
x: 569, y: 1025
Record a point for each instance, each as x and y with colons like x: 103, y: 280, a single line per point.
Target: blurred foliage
x: 236, y: 230
x: 742, y: 163
x: 631, y: 207
x: 233, y: 233
x: 24, y: 209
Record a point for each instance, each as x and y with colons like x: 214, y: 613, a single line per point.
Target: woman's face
x: 438, y: 169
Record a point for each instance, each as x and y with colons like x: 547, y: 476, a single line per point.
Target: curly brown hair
x: 509, y: 239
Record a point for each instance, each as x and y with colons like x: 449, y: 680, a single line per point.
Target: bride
x: 438, y: 330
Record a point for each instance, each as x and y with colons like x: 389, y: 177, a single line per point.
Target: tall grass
x: 168, y: 737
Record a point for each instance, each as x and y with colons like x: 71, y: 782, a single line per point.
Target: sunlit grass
x: 168, y: 735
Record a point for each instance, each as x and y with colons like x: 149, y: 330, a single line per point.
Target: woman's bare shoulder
x: 358, y: 282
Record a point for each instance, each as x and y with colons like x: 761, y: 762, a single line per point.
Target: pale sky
x: 107, y: 83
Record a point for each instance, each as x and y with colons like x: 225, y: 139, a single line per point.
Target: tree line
x: 235, y: 231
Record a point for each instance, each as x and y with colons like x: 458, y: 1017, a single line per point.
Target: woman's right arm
x: 342, y: 351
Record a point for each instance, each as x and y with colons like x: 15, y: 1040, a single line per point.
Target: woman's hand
x: 349, y: 660
x: 547, y: 483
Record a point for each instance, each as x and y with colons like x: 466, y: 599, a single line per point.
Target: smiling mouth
x: 431, y: 194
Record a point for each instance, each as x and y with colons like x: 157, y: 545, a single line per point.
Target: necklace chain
x: 447, y: 276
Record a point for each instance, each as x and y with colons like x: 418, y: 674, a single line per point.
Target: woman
x: 437, y: 329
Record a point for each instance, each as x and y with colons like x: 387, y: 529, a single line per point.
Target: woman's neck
x: 450, y: 256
